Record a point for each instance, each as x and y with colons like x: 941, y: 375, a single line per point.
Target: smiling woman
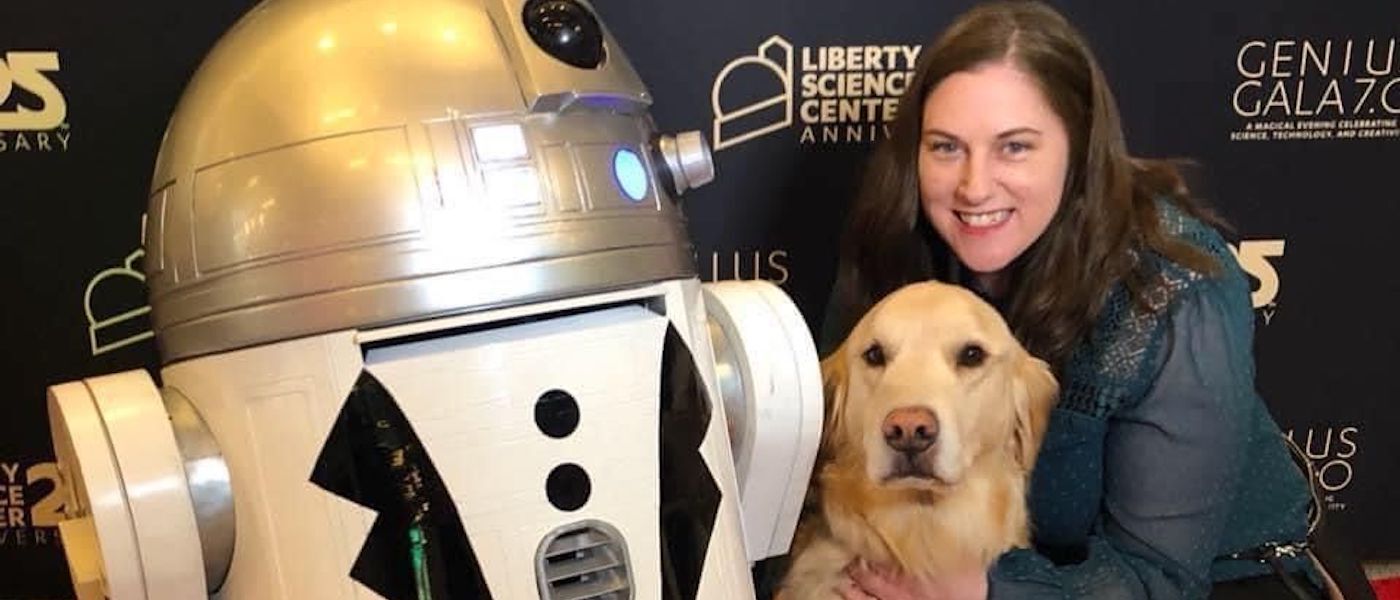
x: 990, y: 185
x: 1160, y: 464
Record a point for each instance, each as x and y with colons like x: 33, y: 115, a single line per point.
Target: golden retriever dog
x: 934, y: 417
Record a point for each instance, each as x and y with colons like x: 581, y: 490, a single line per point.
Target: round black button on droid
x: 568, y: 487
x: 556, y: 413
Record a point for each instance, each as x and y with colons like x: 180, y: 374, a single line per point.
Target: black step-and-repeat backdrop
x: 1291, y: 108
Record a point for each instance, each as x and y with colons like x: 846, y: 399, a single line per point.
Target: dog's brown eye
x: 874, y: 355
x: 971, y: 355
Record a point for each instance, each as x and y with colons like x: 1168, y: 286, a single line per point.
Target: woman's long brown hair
x: 1108, y: 208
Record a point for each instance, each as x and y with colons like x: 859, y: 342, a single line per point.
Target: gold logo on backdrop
x: 837, y: 94
x: 32, y: 108
x: 26, y: 71
x: 118, y: 328
x: 31, y: 503
x: 736, y: 124
x: 1253, y: 257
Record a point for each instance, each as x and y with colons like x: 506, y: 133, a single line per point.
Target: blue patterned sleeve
x: 1171, y: 463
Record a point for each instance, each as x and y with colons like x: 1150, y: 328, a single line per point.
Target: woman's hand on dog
x: 873, y: 582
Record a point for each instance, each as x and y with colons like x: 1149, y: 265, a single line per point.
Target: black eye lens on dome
x: 566, y: 30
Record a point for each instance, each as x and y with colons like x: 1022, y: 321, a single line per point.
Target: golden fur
x: 957, y: 505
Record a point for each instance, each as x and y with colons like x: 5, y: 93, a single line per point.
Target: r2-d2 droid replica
x: 431, y: 328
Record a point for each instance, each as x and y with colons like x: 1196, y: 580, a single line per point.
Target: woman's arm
x: 1172, y: 465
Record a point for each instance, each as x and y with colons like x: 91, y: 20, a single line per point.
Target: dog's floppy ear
x: 834, y: 385
x: 1036, y: 392
x: 834, y: 404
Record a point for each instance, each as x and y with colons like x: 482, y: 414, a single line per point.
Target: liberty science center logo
x: 835, y: 94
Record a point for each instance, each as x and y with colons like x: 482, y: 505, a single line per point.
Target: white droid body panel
x: 553, y: 429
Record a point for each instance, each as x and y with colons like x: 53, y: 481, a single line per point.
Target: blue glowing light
x: 631, y: 174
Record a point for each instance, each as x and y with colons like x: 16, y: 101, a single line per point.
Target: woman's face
x: 993, y: 158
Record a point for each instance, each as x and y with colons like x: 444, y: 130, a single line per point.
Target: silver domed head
x: 341, y: 164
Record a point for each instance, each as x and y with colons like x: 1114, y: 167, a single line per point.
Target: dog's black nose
x: 911, y: 429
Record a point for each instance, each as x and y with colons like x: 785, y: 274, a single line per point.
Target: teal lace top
x: 1160, y: 455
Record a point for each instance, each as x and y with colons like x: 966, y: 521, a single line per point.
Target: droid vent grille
x: 584, y: 562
